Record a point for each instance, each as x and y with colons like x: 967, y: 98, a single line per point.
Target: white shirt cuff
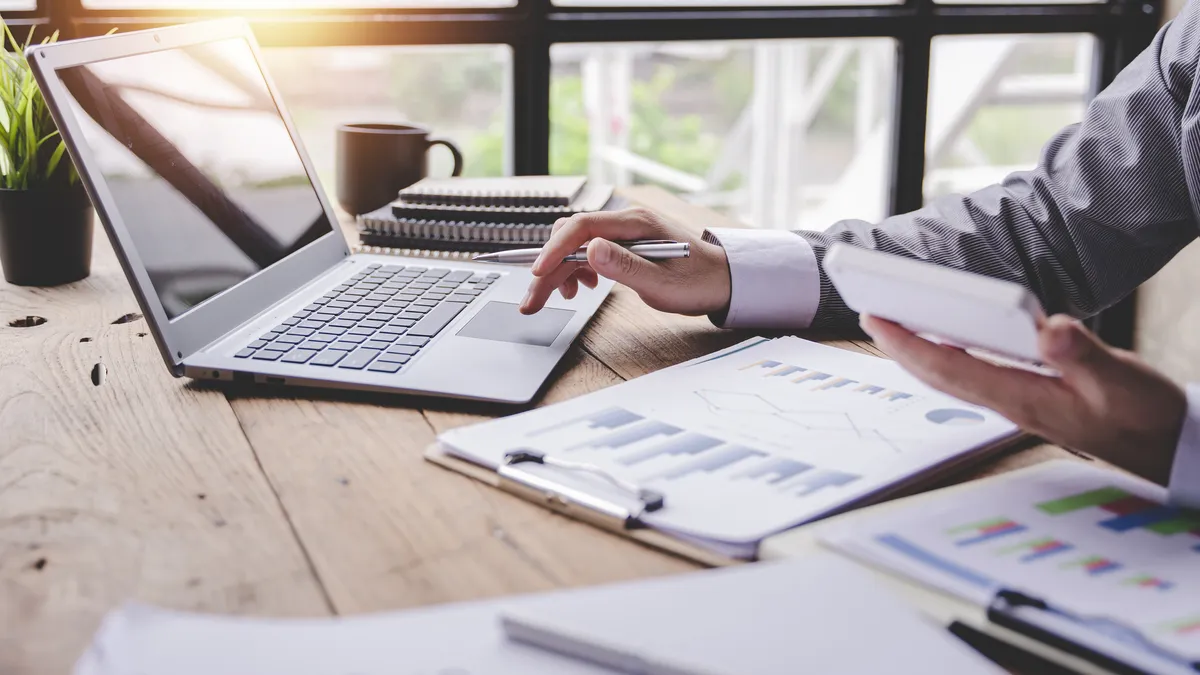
x: 1184, y: 486
x: 774, y: 277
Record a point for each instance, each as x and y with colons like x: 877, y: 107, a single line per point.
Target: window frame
x: 1122, y: 28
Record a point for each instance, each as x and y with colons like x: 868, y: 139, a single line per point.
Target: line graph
x: 831, y: 425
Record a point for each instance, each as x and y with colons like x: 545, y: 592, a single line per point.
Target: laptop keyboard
x: 376, y: 321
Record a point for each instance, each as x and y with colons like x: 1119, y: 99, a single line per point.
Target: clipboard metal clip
x: 562, y: 497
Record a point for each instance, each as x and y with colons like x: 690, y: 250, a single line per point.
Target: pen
x: 650, y: 250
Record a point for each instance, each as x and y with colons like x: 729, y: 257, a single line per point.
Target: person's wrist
x: 719, y: 280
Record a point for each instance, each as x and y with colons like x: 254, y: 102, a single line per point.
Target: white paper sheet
x: 750, y: 441
x: 1094, y: 541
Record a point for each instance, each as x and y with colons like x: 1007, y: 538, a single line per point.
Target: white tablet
x: 947, y: 305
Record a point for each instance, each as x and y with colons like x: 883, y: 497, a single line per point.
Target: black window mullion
x: 531, y: 91
x: 907, y: 179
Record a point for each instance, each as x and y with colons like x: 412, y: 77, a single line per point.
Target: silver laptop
x: 234, y: 251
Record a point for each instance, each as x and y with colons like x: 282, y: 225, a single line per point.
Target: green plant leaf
x: 55, y: 158
x: 26, y: 125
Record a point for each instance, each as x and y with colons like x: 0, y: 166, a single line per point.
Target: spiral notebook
x: 516, y: 191
x: 521, y: 200
x: 456, y: 217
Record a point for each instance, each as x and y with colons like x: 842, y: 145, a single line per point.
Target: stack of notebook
x: 479, y: 214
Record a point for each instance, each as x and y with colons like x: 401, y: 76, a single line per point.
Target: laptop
x: 234, y: 251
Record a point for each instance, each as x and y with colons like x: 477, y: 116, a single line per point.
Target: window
x: 781, y: 133
x: 781, y: 113
x: 292, y: 5
x: 995, y: 100
x: 459, y: 92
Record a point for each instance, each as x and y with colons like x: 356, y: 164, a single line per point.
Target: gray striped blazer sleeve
x: 1110, y: 202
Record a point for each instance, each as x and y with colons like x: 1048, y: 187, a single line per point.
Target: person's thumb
x: 618, y: 264
x: 1076, y: 352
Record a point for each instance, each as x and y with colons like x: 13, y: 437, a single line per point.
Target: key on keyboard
x: 355, y: 325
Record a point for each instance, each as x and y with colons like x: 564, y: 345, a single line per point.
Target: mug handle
x: 458, y: 158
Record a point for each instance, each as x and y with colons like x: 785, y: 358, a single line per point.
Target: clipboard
x: 613, y: 519
x: 620, y: 521
x: 1031, y: 624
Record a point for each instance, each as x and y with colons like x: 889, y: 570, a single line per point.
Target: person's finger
x: 579, y: 229
x: 1077, y: 353
x: 570, y: 287
x: 541, y: 288
x: 587, y: 276
x: 618, y: 264
x: 1016, y: 394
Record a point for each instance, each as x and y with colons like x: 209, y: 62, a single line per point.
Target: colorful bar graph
x: 896, y: 395
x: 1100, y: 497
x: 786, y: 370
x: 1149, y: 581
x: 812, y: 376
x: 869, y: 389
x: 1186, y: 626
x: 1141, y: 519
x: 836, y: 383
x: 986, y: 530
x: 1185, y: 522
x: 1038, y: 549
x: 1095, y: 565
x: 1129, y: 512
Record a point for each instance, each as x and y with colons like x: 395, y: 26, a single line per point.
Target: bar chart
x: 1186, y: 626
x: 775, y: 471
x: 1125, y: 512
x: 824, y: 381
x: 1148, y: 581
x: 714, y: 462
x: 657, y: 451
x: 629, y: 435
x: 1037, y: 549
x: 1094, y: 565
x: 984, y: 531
x: 818, y: 480
x: 1050, y: 535
x: 689, y: 443
x: 608, y: 418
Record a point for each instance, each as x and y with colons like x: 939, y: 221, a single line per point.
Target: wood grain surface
x: 119, y: 482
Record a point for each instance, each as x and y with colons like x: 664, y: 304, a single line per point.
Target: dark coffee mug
x: 376, y: 161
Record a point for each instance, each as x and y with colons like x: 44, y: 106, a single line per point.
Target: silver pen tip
x: 486, y: 257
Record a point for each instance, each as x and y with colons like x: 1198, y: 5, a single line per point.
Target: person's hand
x: 695, y: 285
x: 1107, y: 402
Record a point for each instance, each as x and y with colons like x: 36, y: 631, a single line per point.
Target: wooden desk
x: 119, y: 482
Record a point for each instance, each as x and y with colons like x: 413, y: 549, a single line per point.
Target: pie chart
x: 954, y: 417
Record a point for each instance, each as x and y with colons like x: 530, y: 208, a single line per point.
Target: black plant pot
x: 45, y: 235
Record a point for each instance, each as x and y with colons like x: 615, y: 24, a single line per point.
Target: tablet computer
x: 971, y: 311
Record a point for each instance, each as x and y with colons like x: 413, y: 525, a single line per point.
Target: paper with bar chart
x: 751, y: 440
x: 1096, y: 541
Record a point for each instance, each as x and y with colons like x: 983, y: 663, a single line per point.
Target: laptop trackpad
x: 502, y: 322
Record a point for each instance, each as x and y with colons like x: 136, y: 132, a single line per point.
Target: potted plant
x: 45, y: 214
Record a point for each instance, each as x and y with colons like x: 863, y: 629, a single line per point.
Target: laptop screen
x: 200, y: 165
